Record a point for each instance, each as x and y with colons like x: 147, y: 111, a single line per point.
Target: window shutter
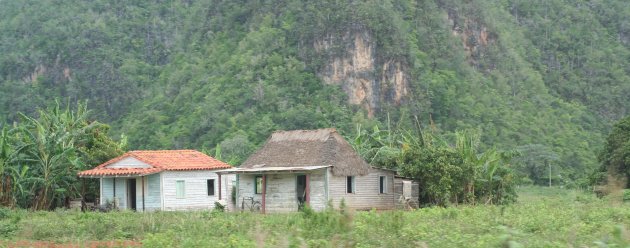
x: 179, y: 189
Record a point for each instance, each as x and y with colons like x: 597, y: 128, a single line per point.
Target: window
x: 210, y: 186
x: 179, y: 189
x: 381, y: 184
x: 350, y: 184
x: 258, y: 185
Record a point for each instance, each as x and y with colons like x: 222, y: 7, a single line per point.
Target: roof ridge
x: 331, y: 129
x: 163, y: 151
x: 145, y: 161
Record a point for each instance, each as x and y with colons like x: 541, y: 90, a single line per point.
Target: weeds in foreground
x: 543, y: 218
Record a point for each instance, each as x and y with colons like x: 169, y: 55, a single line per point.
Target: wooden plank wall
x: 367, y: 191
x: 318, y: 195
x: 195, y: 189
x: 108, y: 191
x: 281, y: 195
x: 152, y: 198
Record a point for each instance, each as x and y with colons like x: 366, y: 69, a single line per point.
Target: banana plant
x: 50, y: 151
x: 7, y: 156
x: 488, y: 171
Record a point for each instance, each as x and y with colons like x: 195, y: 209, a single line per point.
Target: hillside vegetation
x: 544, y: 77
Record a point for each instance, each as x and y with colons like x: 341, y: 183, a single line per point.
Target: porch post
x: 83, y: 205
x: 308, y: 189
x: 114, y: 200
x: 237, y: 191
x: 219, y: 186
x: 264, y: 192
x: 142, y: 194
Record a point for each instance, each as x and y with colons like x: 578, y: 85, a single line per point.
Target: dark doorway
x: 301, y: 190
x: 131, y: 193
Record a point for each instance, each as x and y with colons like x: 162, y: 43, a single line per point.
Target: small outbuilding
x: 311, y: 167
x: 407, y: 192
x: 161, y: 180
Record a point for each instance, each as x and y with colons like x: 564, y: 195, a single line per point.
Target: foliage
x: 41, y: 156
x: 235, y: 149
x: 615, y: 158
x: 535, y: 162
x: 192, y: 74
x: 546, y: 217
x: 446, y: 174
x: 219, y: 207
x: 439, y: 172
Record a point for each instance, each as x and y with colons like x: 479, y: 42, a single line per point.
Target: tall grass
x: 543, y: 217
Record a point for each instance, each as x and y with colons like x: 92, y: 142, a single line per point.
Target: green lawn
x: 542, y: 218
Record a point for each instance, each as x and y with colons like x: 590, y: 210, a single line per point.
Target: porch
x: 137, y: 193
x: 281, y: 190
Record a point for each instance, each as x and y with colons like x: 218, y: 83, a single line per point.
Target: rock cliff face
x: 352, y: 60
x: 476, y: 39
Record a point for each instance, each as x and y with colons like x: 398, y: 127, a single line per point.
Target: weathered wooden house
x: 311, y: 167
x: 161, y: 180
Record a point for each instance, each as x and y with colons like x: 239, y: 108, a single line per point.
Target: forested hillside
x: 545, y: 77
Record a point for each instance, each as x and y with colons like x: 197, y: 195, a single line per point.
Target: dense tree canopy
x: 615, y: 158
x: 199, y: 73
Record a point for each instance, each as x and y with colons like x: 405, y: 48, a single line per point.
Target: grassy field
x: 543, y: 217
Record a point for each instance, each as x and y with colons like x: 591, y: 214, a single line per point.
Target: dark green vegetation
x: 447, y: 174
x: 543, y: 77
x: 615, y: 158
x: 40, y: 157
x: 545, y: 218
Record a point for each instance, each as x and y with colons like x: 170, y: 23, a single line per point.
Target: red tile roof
x: 160, y: 160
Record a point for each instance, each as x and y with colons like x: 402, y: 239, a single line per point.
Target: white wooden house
x: 311, y: 167
x: 162, y: 180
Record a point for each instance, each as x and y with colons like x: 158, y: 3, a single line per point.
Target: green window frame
x: 180, y: 189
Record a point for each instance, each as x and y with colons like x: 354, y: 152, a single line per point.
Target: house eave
x: 119, y: 176
x: 272, y: 170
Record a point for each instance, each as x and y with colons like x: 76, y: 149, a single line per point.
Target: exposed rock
x: 476, y: 38
x: 55, y: 72
x: 40, y: 70
x: 66, y: 73
x: 352, y: 61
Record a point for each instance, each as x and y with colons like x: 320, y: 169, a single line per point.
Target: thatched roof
x: 309, y: 148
